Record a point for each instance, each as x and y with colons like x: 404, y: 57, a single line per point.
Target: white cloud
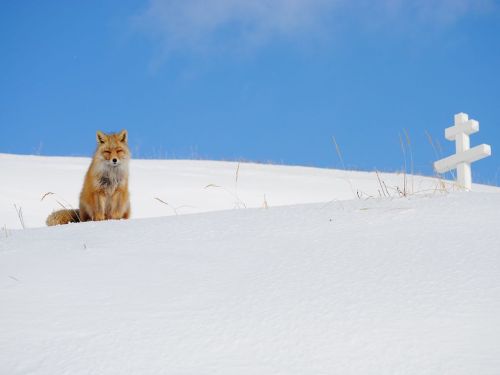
x: 201, y: 24
x: 198, y: 25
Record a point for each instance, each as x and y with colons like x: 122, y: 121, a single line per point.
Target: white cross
x: 465, y: 155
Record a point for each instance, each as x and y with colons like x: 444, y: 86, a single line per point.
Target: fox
x: 105, y: 193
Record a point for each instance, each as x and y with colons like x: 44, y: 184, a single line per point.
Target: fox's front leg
x: 120, y: 206
x: 92, y: 206
x: 100, y: 207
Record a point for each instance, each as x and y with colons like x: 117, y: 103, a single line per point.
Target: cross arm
x: 467, y: 127
x: 469, y: 156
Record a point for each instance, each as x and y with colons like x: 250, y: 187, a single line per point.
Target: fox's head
x: 112, y: 149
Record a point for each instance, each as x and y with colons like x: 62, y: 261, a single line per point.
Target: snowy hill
x: 188, y: 186
x: 340, y: 286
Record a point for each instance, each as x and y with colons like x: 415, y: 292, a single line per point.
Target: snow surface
x: 187, y: 186
x: 359, y: 286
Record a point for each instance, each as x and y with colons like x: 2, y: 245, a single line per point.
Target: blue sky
x: 267, y: 81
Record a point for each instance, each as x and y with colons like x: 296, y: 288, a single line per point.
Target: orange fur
x: 105, y: 193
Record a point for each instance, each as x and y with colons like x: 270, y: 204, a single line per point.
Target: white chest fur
x: 111, y: 177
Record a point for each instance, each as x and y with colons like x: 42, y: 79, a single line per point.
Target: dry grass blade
x: 339, y: 154
x: 431, y: 141
x: 46, y: 194
x: 175, y: 209
x: 162, y: 201
x: 412, y: 171
x: 386, y: 189
x: 403, y: 149
x: 237, y: 173
x: 5, y: 230
x: 238, y: 202
x: 383, y: 187
x: 19, y: 212
x: 337, y: 149
x: 166, y: 204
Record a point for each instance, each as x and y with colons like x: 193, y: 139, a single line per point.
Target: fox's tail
x: 63, y: 217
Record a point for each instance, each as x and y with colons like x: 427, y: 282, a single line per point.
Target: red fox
x: 105, y: 193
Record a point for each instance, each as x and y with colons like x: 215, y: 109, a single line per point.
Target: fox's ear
x: 123, y: 136
x: 101, y: 137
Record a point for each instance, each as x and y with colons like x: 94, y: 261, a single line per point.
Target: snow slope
x: 371, y: 286
x: 183, y: 185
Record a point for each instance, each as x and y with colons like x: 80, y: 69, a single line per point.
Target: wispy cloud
x: 442, y: 12
x: 207, y: 25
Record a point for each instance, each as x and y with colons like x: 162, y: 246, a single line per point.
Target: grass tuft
x: 19, y: 212
x: 238, y: 203
x: 6, y: 231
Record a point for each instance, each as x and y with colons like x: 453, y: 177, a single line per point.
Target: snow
x: 341, y: 286
x: 187, y: 186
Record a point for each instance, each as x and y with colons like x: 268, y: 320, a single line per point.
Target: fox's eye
x: 119, y: 150
x: 107, y: 152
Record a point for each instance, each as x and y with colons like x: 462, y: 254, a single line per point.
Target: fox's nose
x: 114, y: 161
